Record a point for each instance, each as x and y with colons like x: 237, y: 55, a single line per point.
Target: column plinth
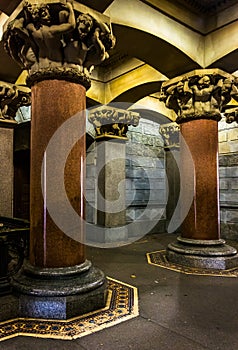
x: 198, y: 99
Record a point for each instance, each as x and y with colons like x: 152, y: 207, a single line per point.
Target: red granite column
x: 53, y: 102
x: 197, y: 99
x: 202, y: 220
x: 58, y: 49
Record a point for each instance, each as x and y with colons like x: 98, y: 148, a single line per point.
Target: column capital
x: 170, y: 134
x: 200, y: 94
x: 112, y: 123
x: 231, y: 115
x: 58, y: 39
x: 11, y: 98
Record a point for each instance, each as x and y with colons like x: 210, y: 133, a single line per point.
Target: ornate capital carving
x: 58, y: 40
x: 231, y: 115
x: 11, y: 98
x: 170, y: 134
x: 201, y: 94
x: 112, y: 123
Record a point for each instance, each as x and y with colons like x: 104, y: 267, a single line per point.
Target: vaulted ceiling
x: 202, y: 6
x: 199, y: 18
x: 207, y: 6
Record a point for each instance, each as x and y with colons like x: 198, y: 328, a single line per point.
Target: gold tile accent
x: 121, y: 305
x: 159, y: 258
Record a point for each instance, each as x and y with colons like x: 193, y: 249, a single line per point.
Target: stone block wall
x: 228, y: 174
x: 145, y: 179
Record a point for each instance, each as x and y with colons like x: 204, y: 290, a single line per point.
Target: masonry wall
x: 145, y: 179
x: 145, y: 176
x: 228, y: 174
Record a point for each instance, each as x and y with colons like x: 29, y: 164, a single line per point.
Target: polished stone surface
x: 201, y: 138
x: 209, y: 254
x: 60, y: 100
x: 59, y: 293
x: 6, y: 169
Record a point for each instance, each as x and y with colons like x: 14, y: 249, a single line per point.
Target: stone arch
x: 153, y: 51
x: 183, y: 46
x: 144, y: 18
x: 138, y: 92
x: 229, y: 62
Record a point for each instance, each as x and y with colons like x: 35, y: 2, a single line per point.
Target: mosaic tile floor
x: 158, y: 258
x: 122, y: 304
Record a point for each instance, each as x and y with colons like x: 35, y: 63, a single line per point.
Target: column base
x: 208, y: 254
x: 110, y: 235
x: 59, y: 293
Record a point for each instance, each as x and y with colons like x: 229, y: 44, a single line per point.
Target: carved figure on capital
x: 11, y: 98
x: 199, y: 96
x: 178, y: 97
x: 55, y: 38
x: 170, y: 134
x: 112, y: 122
x: 231, y: 115
x: 39, y: 34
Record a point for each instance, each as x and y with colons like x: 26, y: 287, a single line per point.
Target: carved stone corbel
x: 11, y: 98
x: 170, y: 134
x: 112, y: 123
x: 231, y: 115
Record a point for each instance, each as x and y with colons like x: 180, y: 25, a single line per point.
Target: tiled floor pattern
x: 122, y: 304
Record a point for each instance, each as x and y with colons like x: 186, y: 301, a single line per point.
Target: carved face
x: 39, y: 13
x: 204, y: 82
x: 85, y: 24
x: 33, y: 10
x: 180, y: 87
x: 226, y: 85
x: 44, y: 15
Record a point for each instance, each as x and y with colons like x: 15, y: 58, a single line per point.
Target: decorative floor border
x: 122, y: 305
x: 159, y: 258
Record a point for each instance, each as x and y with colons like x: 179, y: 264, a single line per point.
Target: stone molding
x: 200, y: 94
x: 170, y: 134
x: 58, y: 40
x: 112, y: 123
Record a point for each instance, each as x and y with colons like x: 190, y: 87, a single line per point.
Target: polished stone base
x: 208, y: 254
x: 121, y: 305
x: 59, y: 293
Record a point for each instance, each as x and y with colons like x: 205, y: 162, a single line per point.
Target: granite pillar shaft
x: 173, y: 178
x: 111, y: 183
x: 54, y: 102
x: 201, y: 137
x: 6, y: 169
x: 111, y: 194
